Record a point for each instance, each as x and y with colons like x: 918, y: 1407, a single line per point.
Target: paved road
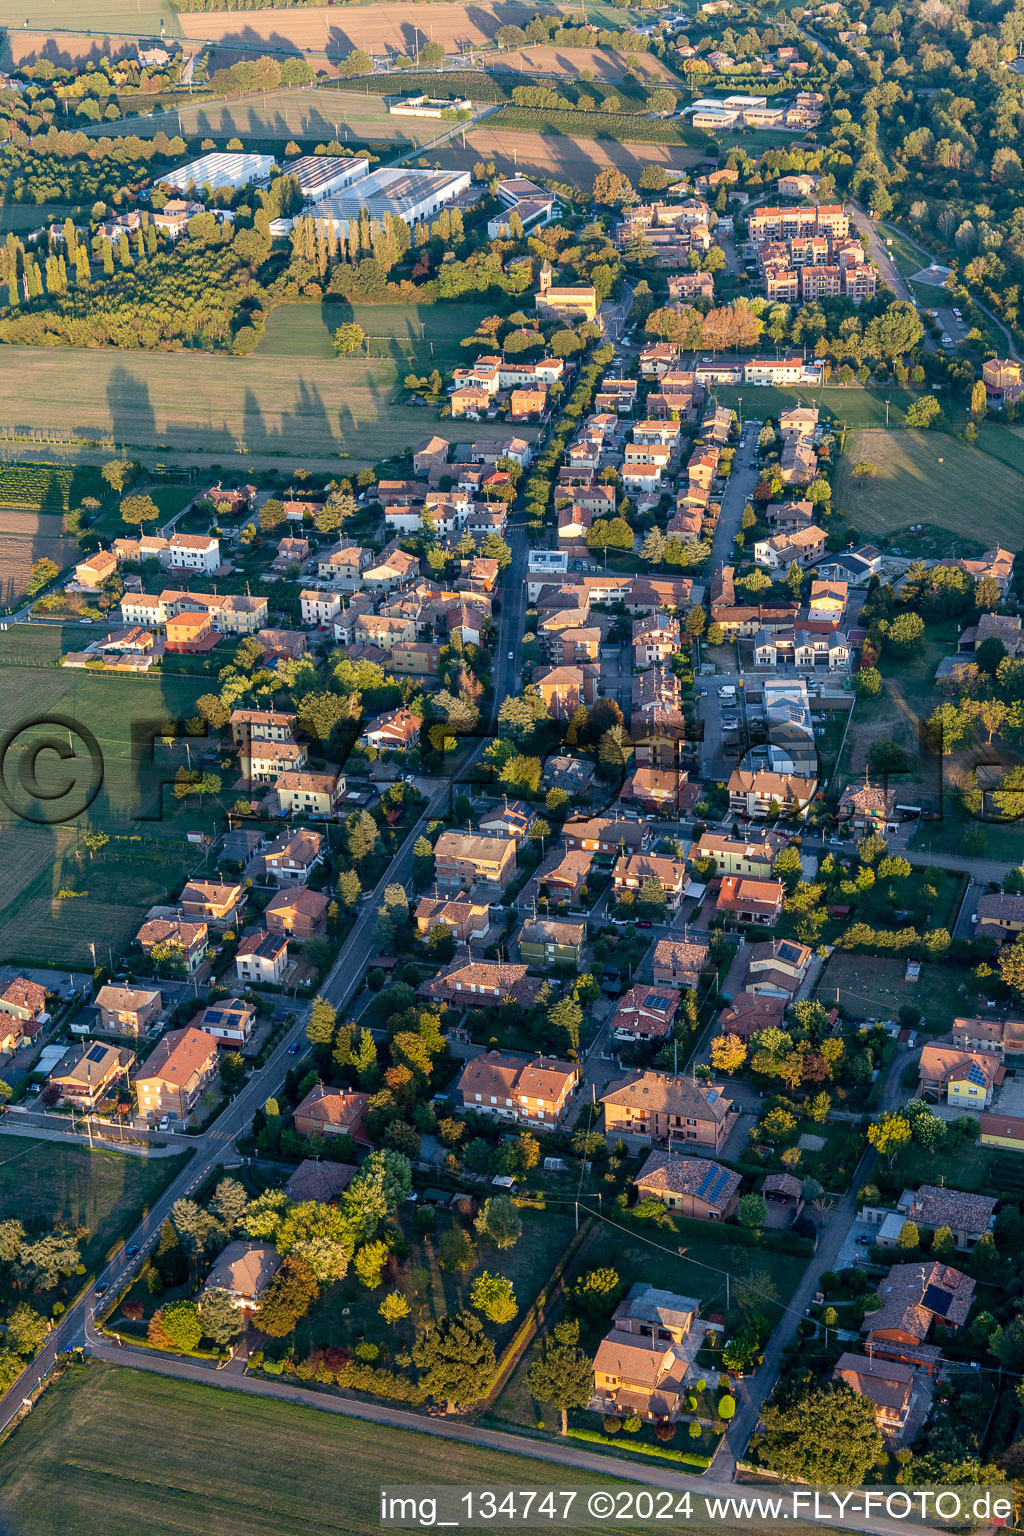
x: 561, y: 1452
x: 879, y: 253
x: 752, y: 1393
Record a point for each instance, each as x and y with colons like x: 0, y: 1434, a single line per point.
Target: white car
x: 511, y: 655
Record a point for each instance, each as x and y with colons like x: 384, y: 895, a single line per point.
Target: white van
x: 727, y: 691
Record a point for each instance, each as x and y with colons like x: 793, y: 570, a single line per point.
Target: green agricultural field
x: 283, y: 402
x: 138, y: 17
x: 211, y: 1462
x: 935, y: 478
x: 42, y: 1184
x: 304, y: 113
x: 851, y: 404
x: 55, y: 898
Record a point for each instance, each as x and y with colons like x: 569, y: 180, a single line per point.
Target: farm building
x: 219, y: 170
x: 412, y: 195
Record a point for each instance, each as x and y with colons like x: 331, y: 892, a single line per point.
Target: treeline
x: 550, y: 30
x: 262, y: 74
x: 69, y: 167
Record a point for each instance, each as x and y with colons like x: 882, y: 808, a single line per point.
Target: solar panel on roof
x: 705, y: 1182
x: 976, y: 1075
x: 720, y: 1182
x: 936, y: 1300
x: 97, y: 1053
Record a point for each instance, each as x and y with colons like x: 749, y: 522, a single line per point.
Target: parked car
x: 293, y: 1049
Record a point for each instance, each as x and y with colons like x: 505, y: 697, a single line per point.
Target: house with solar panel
x: 966, y: 1079
x: 693, y: 1186
x: 912, y: 1298
x: 88, y: 1072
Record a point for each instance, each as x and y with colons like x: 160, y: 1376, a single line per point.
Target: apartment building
x: 465, y: 859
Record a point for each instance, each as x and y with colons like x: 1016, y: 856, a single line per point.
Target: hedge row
x: 665, y: 1452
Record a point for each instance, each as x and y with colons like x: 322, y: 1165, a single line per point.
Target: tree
x: 494, y: 1296
x: 287, y: 1298
x: 728, y: 1053
x: 455, y: 1251
x: 119, y: 473
x: 369, y: 1263
x: 45, y: 1260
x: 1007, y: 1344
x: 220, y: 1318
x: 909, y: 1237
x: 228, y: 1203
x: 348, y: 338
x: 613, y: 188
x: 923, y: 411
x: 456, y: 1361
x: 349, y: 887
x: 869, y: 682
x: 271, y: 515
x: 905, y: 631
x: 561, y: 1375
x: 597, y: 1290
x: 138, y: 510
x: 42, y: 573
x: 500, y: 1222
x: 394, y: 1307
x: 322, y: 1022
x: 979, y: 400
x: 26, y: 1330
x: 1011, y: 966
x: 751, y: 1211
x: 180, y: 1322
x: 889, y: 1135
x: 319, y: 713
x: 827, y: 1436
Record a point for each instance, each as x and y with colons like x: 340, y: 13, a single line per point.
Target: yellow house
x: 1005, y: 1131
x: 828, y: 598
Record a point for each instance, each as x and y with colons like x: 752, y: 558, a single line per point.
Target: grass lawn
x: 147, y: 855
x: 422, y: 334
x: 281, y: 402
x: 42, y: 1183
x: 349, y: 1312
x: 981, y: 1170
x: 874, y: 987
x: 853, y: 404
x: 930, y: 476
x: 897, y: 714
x: 208, y: 1462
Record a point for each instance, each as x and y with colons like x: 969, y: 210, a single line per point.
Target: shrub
x: 665, y: 1431
x: 133, y: 1310
x: 612, y: 1425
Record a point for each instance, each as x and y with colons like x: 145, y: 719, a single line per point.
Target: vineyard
x: 623, y: 126
x: 48, y: 487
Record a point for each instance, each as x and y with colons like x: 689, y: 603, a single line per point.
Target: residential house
x: 564, y: 689
x: 661, y: 789
x: 187, y: 940
x: 261, y: 958
x: 512, y: 820
x: 572, y: 774
x: 639, y: 1377
x: 979, y: 1035
x: 394, y: 731
x: 1000, y: 916
x: 293, y: 856
x: 694, y: 1186
x: 867, y: 808
x: 175, y: 1075
x: 468, y: 921
x: 231, y: 1021
x: 251, y: 725
x: 127, y: 1010
x: 656, y: 639
x: 245, y: 1271
x: 604, y: 834
x: 465, y: 859
x: 537, y: 1091
x: 561, y: 877
x: 291, y: 551
x: 750, y: 857
x: 23, y: 1000
x: 310, y: 794
x: 263, y: 761
x: 680, y: 962
x: 631, y: 872
x: 481, y: 984
x: 966, y: 1079
x: 319, y: 607
x: 301, y: 913
x: 675, y: 1110
x: 887, y: 1384
x: 777, y: 968
x: 749, y: 1013
x: 87, y: 1073
x: 755, y: 792
x: 91, y: 573
x: 912, y: 1297
x: 215, y: 903
x: 332, y: 1112
x: 645, y: 1013
x: 750, y: 901
x: 314, y: 1179
x: 801, y: 546
x: 828, y: 599
x: 545, y: 941
x: 967, y: 1216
